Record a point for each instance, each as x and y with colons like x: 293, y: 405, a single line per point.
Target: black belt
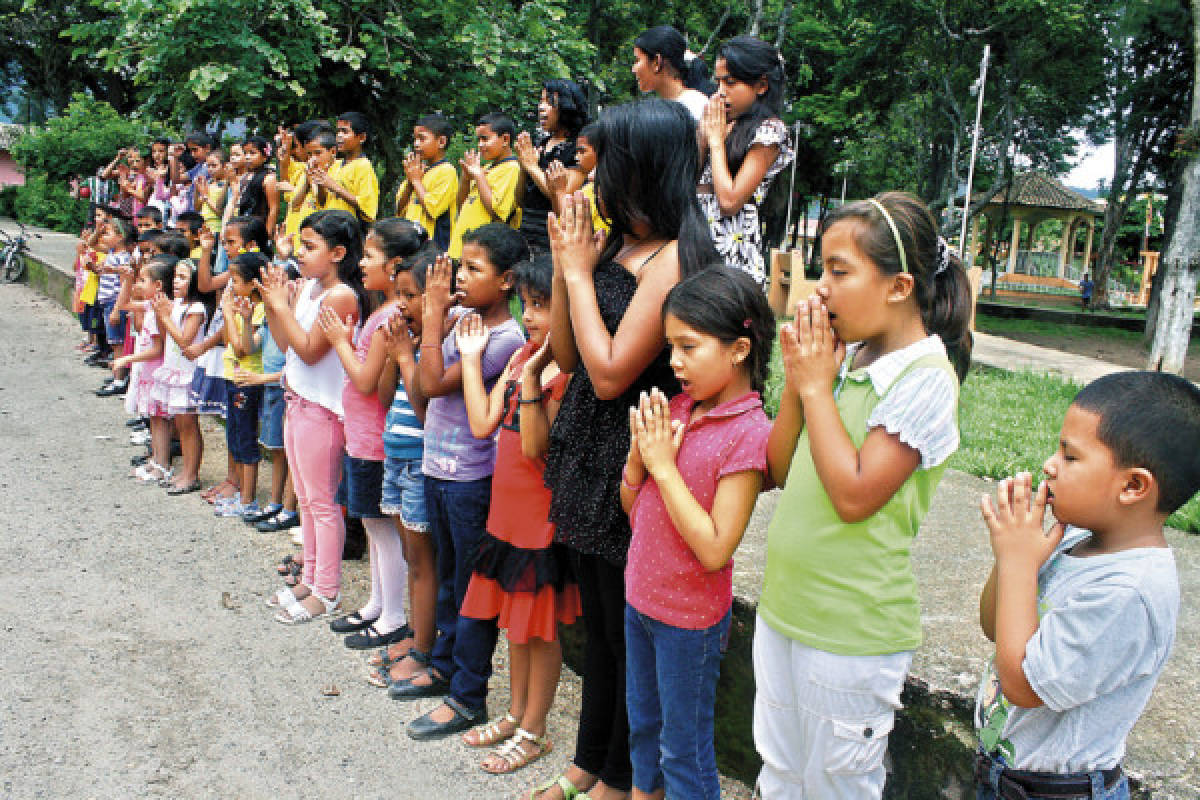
x: 1015, y: 784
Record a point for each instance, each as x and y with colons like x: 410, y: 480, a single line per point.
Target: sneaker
x: 280, y: 522
x: 139, y: 438
x: 250, y: 510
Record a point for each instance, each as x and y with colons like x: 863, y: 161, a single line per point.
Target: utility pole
x: 978, y: 88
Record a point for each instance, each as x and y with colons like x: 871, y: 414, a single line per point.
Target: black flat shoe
x: 266, y: 513
x: 137, y: 461
x: 135, y: 422
x: 351, y: 623
x: 369, y: 638
x: 424, y: 728
x: 114, y: 388
x: 282, y: 522
x: 407, y: 690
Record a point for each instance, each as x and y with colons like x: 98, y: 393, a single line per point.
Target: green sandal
x: 569, y: 790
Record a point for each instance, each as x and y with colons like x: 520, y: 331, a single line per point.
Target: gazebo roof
x: 1038, y: 190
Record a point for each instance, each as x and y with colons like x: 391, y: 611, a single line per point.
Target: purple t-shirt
x: 451, y: 452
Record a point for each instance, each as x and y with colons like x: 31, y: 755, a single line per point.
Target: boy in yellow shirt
x: 429, y: 194
x: 488, y: 195
x: 350, y: 184
x: 293, y: 159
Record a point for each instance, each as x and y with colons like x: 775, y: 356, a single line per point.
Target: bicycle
x: 12, y: 256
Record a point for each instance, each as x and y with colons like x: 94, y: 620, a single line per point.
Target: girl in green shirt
x: 866, y: 422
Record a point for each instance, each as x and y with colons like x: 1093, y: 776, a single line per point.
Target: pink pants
x: 314, y: 441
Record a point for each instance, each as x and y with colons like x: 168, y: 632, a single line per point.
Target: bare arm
x: 537, y: 415
x: 732, y: 192
x: 272, y: 194
x: 484, y: 409
x: 311, y: 345
x: 987, y: 607
x: 363, y: 375
x: 435, y: 379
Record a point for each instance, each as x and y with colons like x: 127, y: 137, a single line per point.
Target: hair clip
x: 746, y: 322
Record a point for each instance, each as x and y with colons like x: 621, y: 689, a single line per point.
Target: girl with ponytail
x: 867, y: 420
x: 661, y: 64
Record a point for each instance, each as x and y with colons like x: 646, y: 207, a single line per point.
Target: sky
x: 1094, y: 164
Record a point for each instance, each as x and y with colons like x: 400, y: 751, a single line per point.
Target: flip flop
x: 175, y: 491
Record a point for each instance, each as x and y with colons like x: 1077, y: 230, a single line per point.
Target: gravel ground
x: 137, y: 655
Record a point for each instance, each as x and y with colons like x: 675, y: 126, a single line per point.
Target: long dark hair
x: 646, y: 170
x: 249, y: 266
x: 253, y: 231
x: 944, y: 297
x: 194, y: 295
x: 670, y: 44
x: 749, y: 60
x: 399, y: 237
x: 340, y: 228
x: 567, y: 97
x: 162, y: 269
x: 728, y: 304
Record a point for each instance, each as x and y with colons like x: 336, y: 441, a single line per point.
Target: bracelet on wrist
x: 531, y: 400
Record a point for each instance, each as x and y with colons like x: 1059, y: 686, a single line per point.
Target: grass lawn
x: 1002, y: 326
x: 1010, y: 423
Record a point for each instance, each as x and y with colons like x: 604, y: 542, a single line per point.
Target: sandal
x: 297, y: 613
x: 490, y: 734
x: 187, y: 488
x: 568, y: 789
x: 513, y: 755
x: 383, y: 658
x: 283, y: 598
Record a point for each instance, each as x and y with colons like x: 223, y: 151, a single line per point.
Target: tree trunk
x: 1170, y: 213
x: 785, y: 16
x: 1175, y: 315
x: 755, y: 18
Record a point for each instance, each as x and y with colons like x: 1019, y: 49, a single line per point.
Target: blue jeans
x: 670, y: 691
x: 458, y: 513
x: 987, y: 788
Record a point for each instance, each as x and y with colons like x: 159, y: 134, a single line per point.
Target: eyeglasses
x: 509, y: 390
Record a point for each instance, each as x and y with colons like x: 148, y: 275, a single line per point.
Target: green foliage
x: 82, y: 138
x: 8, y: 201
x: 49, y: 203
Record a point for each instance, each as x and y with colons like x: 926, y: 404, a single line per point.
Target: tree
x: 1148, y: 83
x: 1182, y: 258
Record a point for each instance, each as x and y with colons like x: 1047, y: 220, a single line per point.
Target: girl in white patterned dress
x: 744, y: 145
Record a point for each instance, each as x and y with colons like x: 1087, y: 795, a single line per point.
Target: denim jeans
x: 670, y: 690
x: 458, y: 513
x: 986, y: 789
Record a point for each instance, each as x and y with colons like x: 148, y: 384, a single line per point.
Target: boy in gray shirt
x: 1083, y: 615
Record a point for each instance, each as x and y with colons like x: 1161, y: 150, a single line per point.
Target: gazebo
x: 1033, y: 199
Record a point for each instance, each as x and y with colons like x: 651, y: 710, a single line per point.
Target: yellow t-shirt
x: 441, y: 195
x: 216, y: 199
x: 503, y: 177
x: 253, y: 361
x: 296, y: 211
x: 358, y: 178
x: 599, y: 223
x: 91, y: 281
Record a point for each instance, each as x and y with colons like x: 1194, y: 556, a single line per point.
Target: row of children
x: 629, y: 448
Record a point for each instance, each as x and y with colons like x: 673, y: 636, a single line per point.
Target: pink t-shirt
x: 362, y: 414
x: 663, y: 578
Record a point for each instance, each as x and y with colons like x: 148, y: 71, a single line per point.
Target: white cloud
x: 1095, y: 165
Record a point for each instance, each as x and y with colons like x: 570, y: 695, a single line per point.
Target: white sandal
x: 490, y: 734
x: 284, y: 598
x: 513, y: 754
x: 150, y: 472
x: 297, y: 613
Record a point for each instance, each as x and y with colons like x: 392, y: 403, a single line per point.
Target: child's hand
x: 208, y: 239
x: 201, y: 184
x: 658, y: 436
x: 194, y: 351
x: 336, y: 331
x: 120, y: 363
x: 244, y: 306
x: 161, y: 305
x: 539, y: 360
x: 573, y: 243
x: 470, y: 164
x: 399, y: 340
x: 471, y: 336
x: 243, y: 378
x: 1016, y: 522
x: 114, y: 318
x: 126, y: 271
x: 273, y: 286
x: 414, y: 170
x: 713, y: 124
x: 283, y: 243
x: 285, y: 142
x: 812, y: 352
x: 526, y: 153
x: 438, y: 296
x: 556, y: 178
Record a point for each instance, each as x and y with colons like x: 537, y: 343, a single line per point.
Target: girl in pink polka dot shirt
x: 694, y: 470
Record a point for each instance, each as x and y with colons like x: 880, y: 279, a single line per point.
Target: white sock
x: 375, y: 602
x: 387, y: 555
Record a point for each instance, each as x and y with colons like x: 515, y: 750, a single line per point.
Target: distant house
x: 10, y: 171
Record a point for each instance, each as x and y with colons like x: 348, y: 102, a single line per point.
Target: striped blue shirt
x: 403, y: 436
x: 110, y: 282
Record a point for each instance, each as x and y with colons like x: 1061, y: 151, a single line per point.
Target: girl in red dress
x: 521, y: 578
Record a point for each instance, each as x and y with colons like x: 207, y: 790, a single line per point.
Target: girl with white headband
x: 867, y: 420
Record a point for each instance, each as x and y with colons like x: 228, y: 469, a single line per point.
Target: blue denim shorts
x: 404, y: 492
x: 270, y: 418
x: 364, y: 486
x: 114, y: 333
x: 241, y: 422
